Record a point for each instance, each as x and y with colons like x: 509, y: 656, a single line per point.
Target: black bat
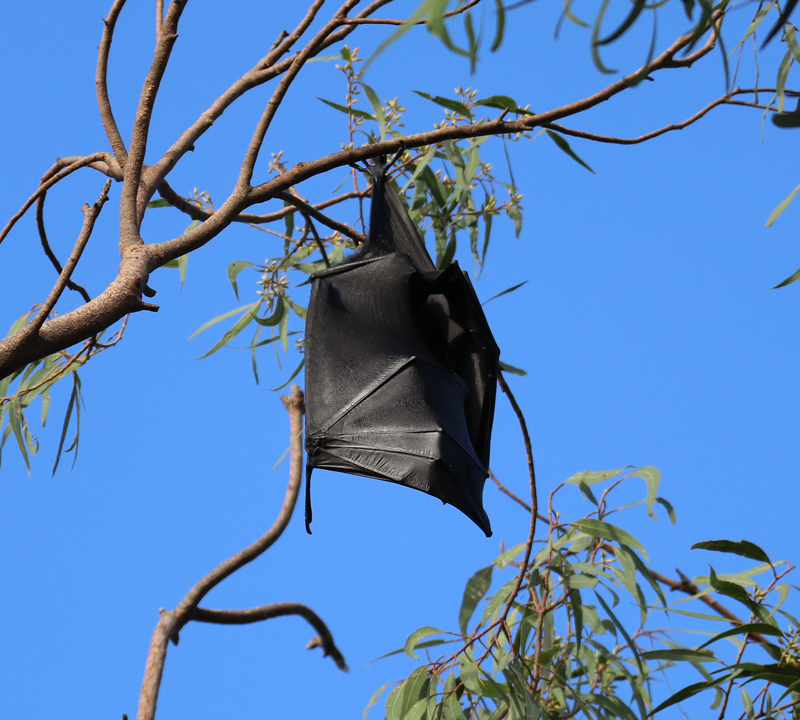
x: 401, y: 366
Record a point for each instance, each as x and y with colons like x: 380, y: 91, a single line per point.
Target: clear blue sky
x: 646, y: 329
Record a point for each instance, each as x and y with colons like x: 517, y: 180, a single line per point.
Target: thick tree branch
x: 90, y: 215
x: 101, y: 83
x: 324, y: 637
x: 133, y: 193
x: 171, y: 622
x: 124, y: 294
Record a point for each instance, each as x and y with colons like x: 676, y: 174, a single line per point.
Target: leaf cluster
x: 584, y: 629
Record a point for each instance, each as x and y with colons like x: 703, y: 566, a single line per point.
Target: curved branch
x: 267, y: 612
x: 307, y: 209
x: 534, y: 498
x: 90, y: 215
x: 101, y: 83
x: 48, y: 251
x: 171, y: 622
x: 724, y: 100
x: 45, y: 185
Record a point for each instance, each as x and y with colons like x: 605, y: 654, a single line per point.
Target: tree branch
x: 307, y: 209
x: 171, y: 622
x: 132, y: 192
x: 267, y: 612
x: 388, y: 21
x: 259, y: 75
x: 90, y: 215
x: 48, y: 251
x: 688, y: 587
x: 101, y: 83
x: 534, y: 498
x: 47, y: 184
x: 197, y: 213
x: 253, y: 150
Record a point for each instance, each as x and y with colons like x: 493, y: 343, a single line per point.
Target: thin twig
x: 253, y: 150
x: 534, y: 499
x: 389, y: 21
x: 90, y: 215
x: 687, y: 586
x: 171, y: 622
x: 46, y: 185
x: 48, y: 251
x: 197, y: 213
x: 503, y: 489
x: 307, y: 209
x: 267, y: 612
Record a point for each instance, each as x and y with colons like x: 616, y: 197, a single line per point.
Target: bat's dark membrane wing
x: 401, y: 367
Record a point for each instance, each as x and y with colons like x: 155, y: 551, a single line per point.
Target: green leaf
x: 374, y: 100
x: 502, y: 560
x: 652, y: 477
x: 233, y: 272
x: 679, y: 655
x: 516, y: 216
x: 780, y: 83
x: 563, y: 145
x: 291, y: 377
x: 772, y: 218
x: 502, y: 102
x: 226, y: 315
x: 277, y: 314
x: 72, y: 398
x: 454, y: 105
x: 505, y: 367
x: 420, y: 167
x: 731, y: 590
x: 412, y: 20
x: 760, y: 628
x: 668, y: 507
x: 416, y: 636
x: 375, y: 697
x: 501, y: 23
x: 247, y: 317
x: 590, y: 477
x: 348, y: 111
x: 743, y: 548
x: 687, y: 692
x: 607, y: 531
x: 476, y: 588
x: 505, y: 292
x: 498, y: 599
x: 158, y: 203
x: 760, y: 15
x: 435, y: 23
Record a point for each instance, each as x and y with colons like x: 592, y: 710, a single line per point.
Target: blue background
x: 645, y: 326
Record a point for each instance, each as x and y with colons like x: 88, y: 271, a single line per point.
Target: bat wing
x: 380, y: 401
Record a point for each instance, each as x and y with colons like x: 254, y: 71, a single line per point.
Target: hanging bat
x: 401, y: 366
